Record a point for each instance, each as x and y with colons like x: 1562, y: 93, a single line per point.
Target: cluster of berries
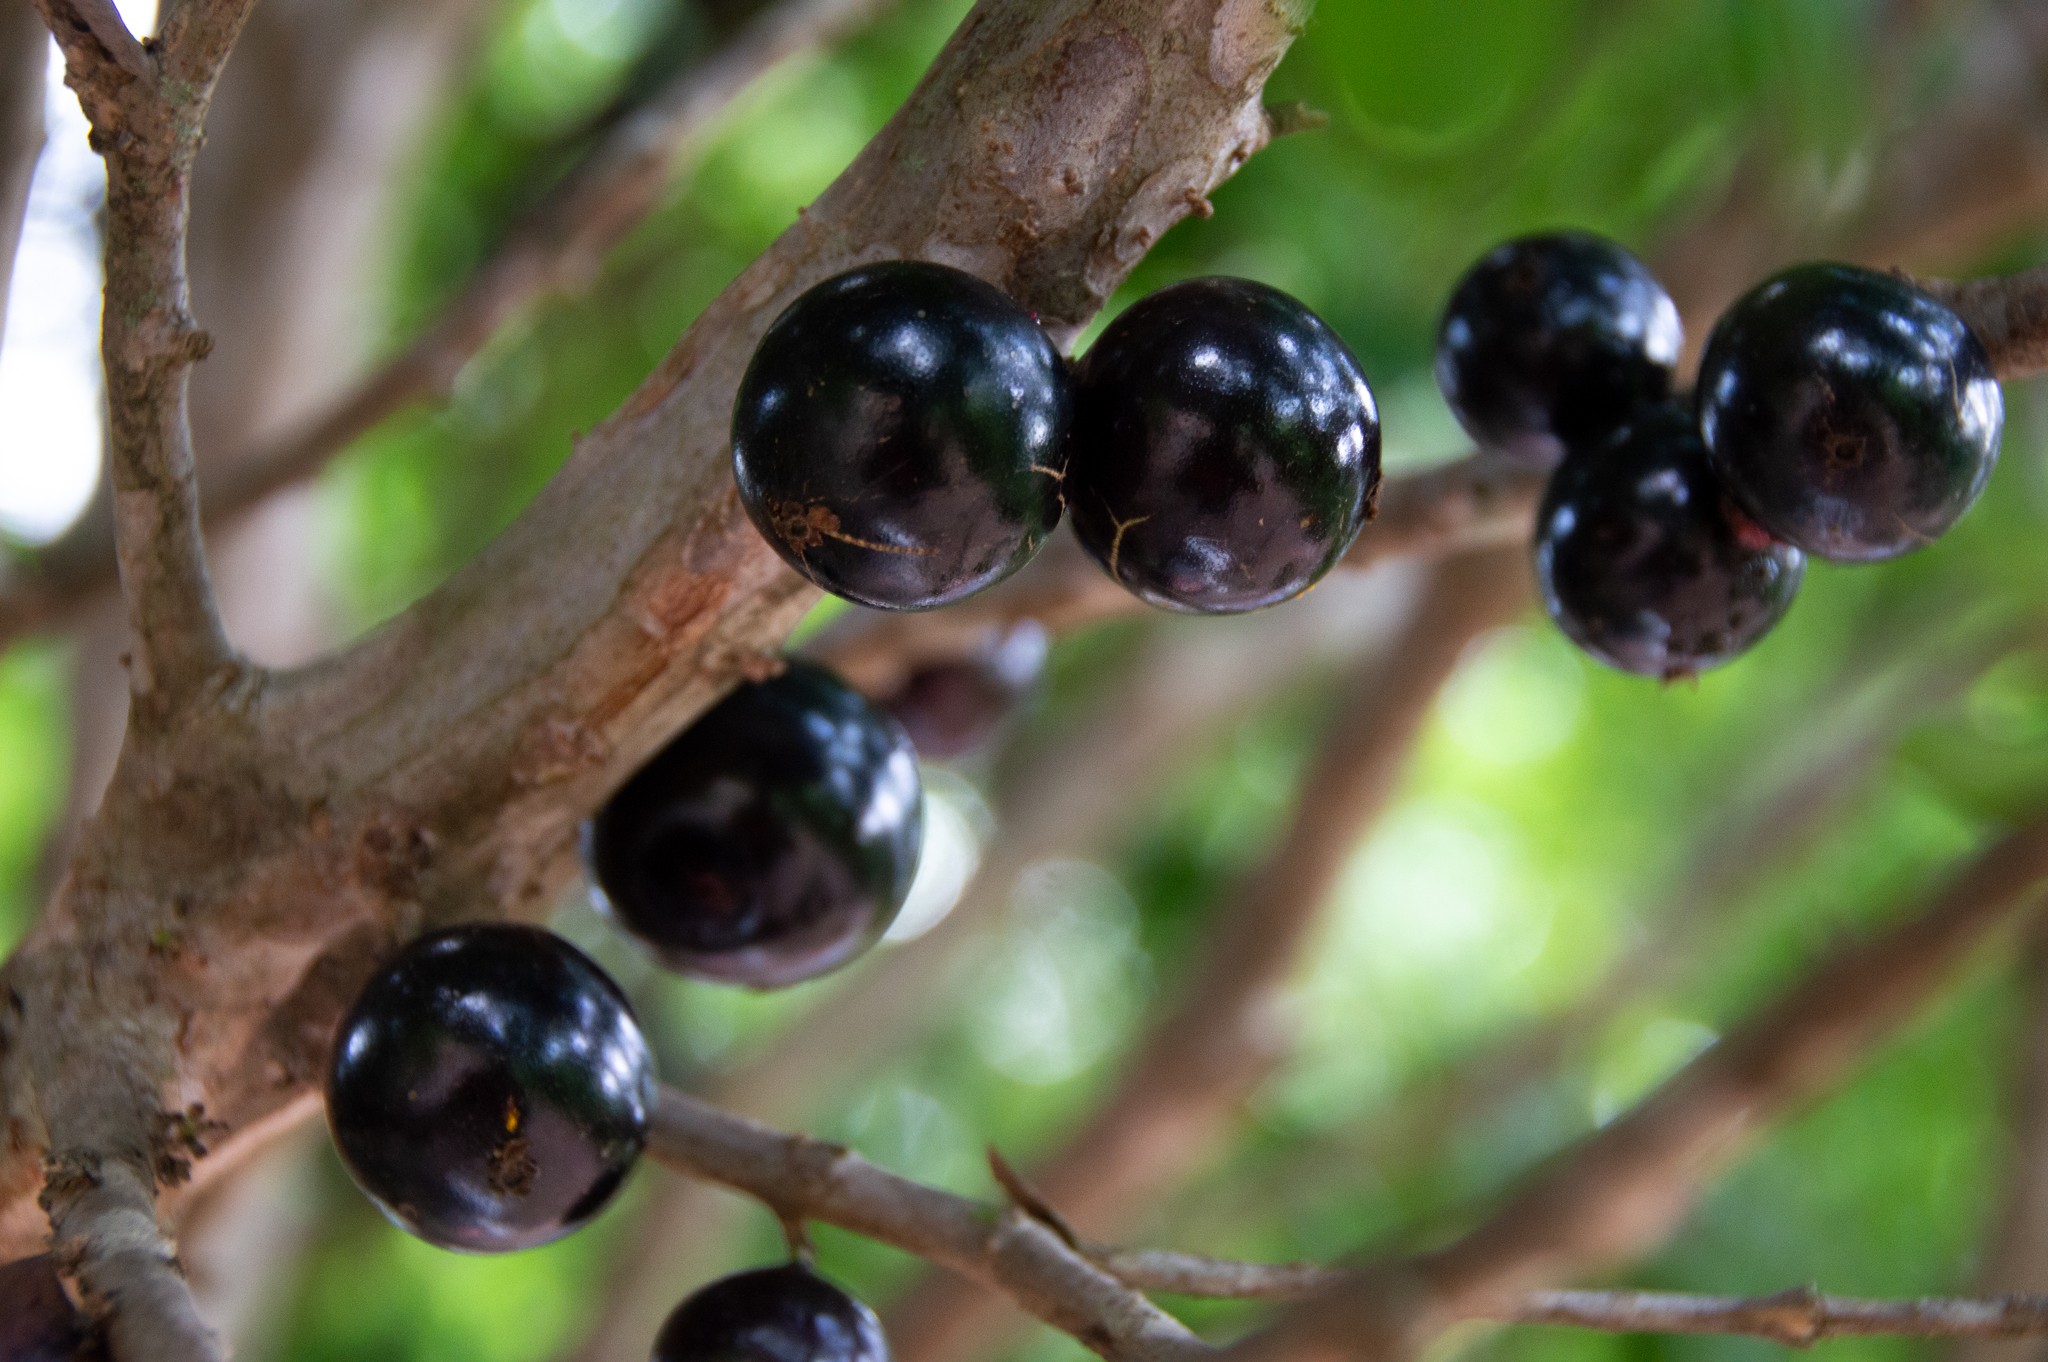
x: 490, y: 1088
x: 1840, y: 412
x: 906, y: 436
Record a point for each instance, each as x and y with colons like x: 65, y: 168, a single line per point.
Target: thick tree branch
x: 1624, y: 1188
x: 1201, y: 1059
x: 24, y: 49
x: 2009, y: 313
x: 804, y: 1179
x: 235, y: 889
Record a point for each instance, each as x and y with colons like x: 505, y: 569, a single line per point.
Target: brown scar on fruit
x: 512, y: 1166
x: 1116, y: 542
x: 805, y: 527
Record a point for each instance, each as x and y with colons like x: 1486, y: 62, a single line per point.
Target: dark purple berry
x: 38, y: 1322
x: 1851, y: 413
x: 1226, y: 448
x: 1553, y: 341
x: 772, y: 840
x: 490, y: 1088
x: 952, y: 708
x: 775, y: 1314
x: 1647, y: 563
x: 901, y: 433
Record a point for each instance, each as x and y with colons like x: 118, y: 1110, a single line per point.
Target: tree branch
x: 804, y: 1179
x: 2009, y: 313
x: 147, y: 110
x: 24, y: 49
x: 1625, y: 1187
x: 1089, y: 1291
x: 1798, y: 1318
x: 556, y: 248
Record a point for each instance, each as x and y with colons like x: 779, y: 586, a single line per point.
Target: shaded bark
x: 24, y: 57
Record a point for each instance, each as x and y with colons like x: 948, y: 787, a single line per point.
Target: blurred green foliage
x: 1555, y: 813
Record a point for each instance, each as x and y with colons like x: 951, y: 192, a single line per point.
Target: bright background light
x: 50, y: 395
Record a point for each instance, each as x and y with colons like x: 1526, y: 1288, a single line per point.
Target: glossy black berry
x: 776, y: 1314
x: 1226, y: 448
x: 1851, y: 413
x: 772, y: 840
x: 900, y: 435
x: 955, y: 707
x: 1553, y: 341
x: 1646, y: 562
x: 490, y: 1088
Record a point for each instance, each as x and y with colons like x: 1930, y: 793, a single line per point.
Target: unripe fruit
x: 772, y: 840
x: 490, y: 1088
x: 1851, y: 413
x: 900, y: 435
x: 1647, y: 563
x: 776, y: 1314
x: 1226, y: 448
x: 1554, y: 341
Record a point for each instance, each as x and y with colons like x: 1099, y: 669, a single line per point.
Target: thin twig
x: 1797, y: 1318
x: 1090, y: 1291
x: 802, y: 1178
x: 147, y: 109
x: 1625, y: 1187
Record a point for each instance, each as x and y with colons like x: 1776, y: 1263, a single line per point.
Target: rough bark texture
x: 247, y: 869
